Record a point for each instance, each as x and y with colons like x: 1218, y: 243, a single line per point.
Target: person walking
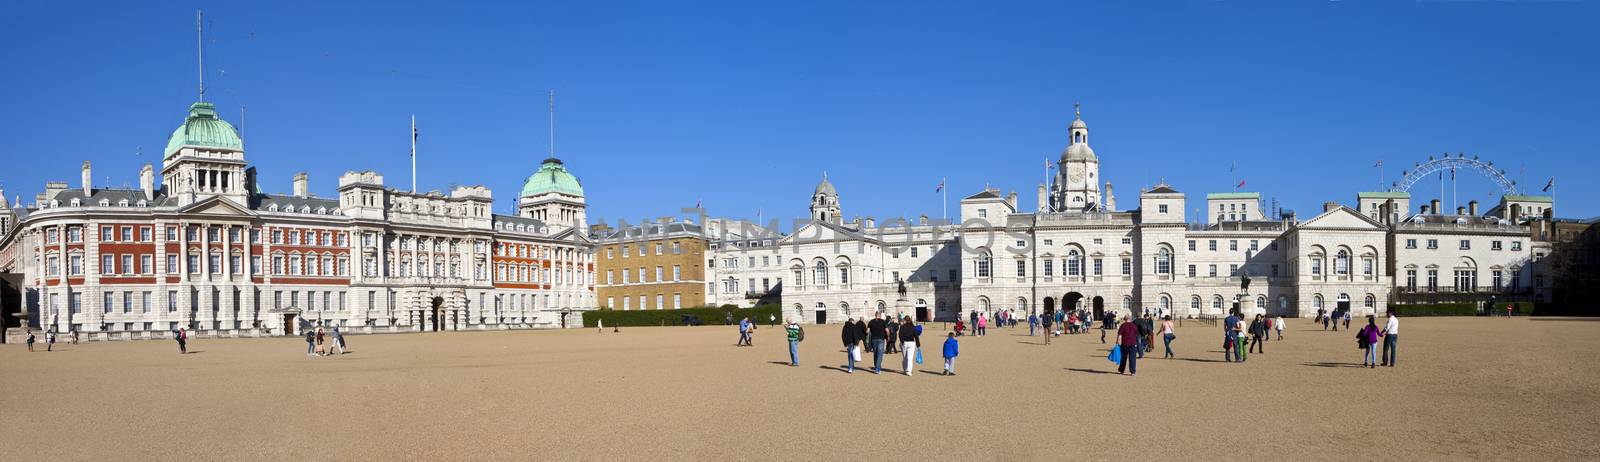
x: 1346, y: 319
x: 1326, y: 319
x: 796, y: 335
x: 183, y: 341
x: 338, y: 340
x: 1033, y: 323
x: 1258, y: 331
x: 30, y: 341
x: 1048, y: 331
x: 974, y: 321
x: 1368, y: 338
x: 49, y: 341
x: 877, y: 333
x: 1167, y: 335
x: 72, y: 336
x: 322, y: 350
x: 951, y: 349
x: 1128, y: 340
x: 1391, y: 339
x: 851, y: 341
x: 908, y: 341
x: 1230, y: 338
x: 311, y: 342
x: 894, y: 335
x: 983, y: 324
x: 1239, y: 329
x: 1141, y: 323
x: 1279, y: 325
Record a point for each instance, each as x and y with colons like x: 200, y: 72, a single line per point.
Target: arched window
x: 1316, y: 301
x: 1194, y: 304
x: 844, y: 274
x: 882, y: 306
x: 1341, y: 263
x: 1164, y: 261
x: 844, y: 310
x: 983, y: 265
x: 1165, y: 303
x: 1261, y: 302
x: 1074, y: 264
x: 1370, y: 303
x: 1216, y: 303
x: 1127, y: 304
x: 799, y: 274
x: 983, y: 304
x: 819, y: 274
x: 1022, y: 305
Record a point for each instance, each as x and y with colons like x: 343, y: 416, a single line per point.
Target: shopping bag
x: 919, y: 356
x: 1116, y: 355
x: 855, y: 352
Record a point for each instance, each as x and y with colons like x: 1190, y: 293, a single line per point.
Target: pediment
x: 217, y: 206
x: 1340, y: 218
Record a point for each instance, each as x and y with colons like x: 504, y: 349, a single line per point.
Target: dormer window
x: 142, y: 203
x: 122, y: 203
x: 322, y: 210
x: 76, y: 202
x: 105, y: 203
x: 272, y: 208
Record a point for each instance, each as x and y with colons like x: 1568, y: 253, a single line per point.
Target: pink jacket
x: 983, y: 321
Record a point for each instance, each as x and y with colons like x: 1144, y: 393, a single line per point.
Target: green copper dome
x: 552, y: 177
x: 204, y: 129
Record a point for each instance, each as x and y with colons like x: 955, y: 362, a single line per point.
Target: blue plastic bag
x: 1116, y: 355
x: 919, y: 356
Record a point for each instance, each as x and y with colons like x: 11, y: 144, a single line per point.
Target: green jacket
x: 794, y: 332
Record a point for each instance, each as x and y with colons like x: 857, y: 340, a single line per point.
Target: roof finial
x: 1077, y: 110
x: 552, y: 123
x: 824, y: 175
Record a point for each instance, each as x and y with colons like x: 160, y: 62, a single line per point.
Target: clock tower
x: 1077, y: 177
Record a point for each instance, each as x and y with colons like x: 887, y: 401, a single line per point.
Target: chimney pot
x: 1434, y: 206
x: 1472, y: 207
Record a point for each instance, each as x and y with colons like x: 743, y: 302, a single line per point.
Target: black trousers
x: 1130, y: 360
x: 1256, y: 345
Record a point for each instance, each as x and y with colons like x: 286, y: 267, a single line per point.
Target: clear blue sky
x: 744, y: 104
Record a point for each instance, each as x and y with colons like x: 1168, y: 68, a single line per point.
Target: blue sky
x: 742, y: 105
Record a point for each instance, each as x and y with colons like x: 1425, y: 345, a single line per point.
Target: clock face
x: 1075, y: 176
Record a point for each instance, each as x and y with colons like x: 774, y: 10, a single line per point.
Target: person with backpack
x: 1048, y: 321
x: 877, y: 334
x: 951, y: 349
x: 894, y: 336
x: 796, y: 335
x: 30, y: 341
x: 311, y: 342
x: 183, y: 341
x: 1367, y: 338
x: 49, y: 341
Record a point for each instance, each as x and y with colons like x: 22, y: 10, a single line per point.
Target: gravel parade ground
x: 1465, y: 389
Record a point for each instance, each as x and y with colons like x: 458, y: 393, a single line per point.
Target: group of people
x: 318, y: 343
x: 1239, y: 339
x: 1331, y: 319
x: 879, y: 336
x: 747, y: 332
x: 1367, y: 340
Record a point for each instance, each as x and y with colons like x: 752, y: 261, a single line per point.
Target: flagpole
x: 944, y: 201
x: 413, y: 154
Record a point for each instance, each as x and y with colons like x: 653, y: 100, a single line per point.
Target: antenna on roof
x: 200, y: 45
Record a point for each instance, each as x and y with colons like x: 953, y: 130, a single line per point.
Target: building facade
x: 652, y: 266
x: 204, y: 250
x: 1077, y: 251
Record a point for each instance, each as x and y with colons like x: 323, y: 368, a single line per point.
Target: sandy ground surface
x: 1466, y: 388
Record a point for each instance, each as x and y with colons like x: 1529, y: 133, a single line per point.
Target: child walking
x: 951, y: 349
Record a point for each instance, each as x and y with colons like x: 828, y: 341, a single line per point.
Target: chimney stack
x: 300, y: 187
x: 1012, y: 199
x: 1044, y: 203
x: 1550, y: 223
x: 872, y: 223
x: 1460, y: 210
x: 1435, y: 207
x: 922, y: 220
x: 1389, y: 212
x: 88, y: 187
x: 1472, y: 207
x: 147, y: 181
x: 1329, y: 206
x: 1424, y: 209
x: 1111, y: 198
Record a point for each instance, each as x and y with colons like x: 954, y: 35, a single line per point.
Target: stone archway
x: 436, y: 312
x: 1099, y: 304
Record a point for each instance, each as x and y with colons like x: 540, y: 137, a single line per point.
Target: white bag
x: 855, y: 352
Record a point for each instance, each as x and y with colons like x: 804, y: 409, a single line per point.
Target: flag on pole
x: 940, y: 187
x: 697, y: 203
x: 1549, y: 184
x: 1240, y: 185
x: 1379, y: 164
x: 1233, y: 166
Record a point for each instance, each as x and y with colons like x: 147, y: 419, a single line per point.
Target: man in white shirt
x: 1391, y: 339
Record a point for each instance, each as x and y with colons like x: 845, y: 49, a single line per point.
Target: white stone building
x: 1076, y: 250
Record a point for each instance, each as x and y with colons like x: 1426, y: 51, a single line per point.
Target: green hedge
x: 710, y: 315
x: 1436, y: 309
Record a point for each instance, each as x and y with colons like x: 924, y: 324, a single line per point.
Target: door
x: 288, y: 324
x: 822, y: 316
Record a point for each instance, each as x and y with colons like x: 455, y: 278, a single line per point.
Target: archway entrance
x: 1049, y: 307
x: 436, y: 313
x: 922, y: 310
x: 1099, y: 307
x: 1072, y: 301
